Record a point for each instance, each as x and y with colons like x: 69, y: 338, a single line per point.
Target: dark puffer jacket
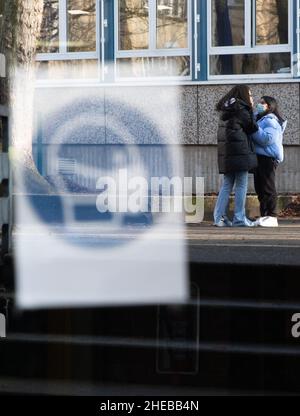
x: 236, y: 150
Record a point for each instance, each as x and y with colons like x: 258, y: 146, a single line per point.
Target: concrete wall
x: 207, y: 96
x: 198, y: 161
x: 186, y: 113
x: 202, y: 161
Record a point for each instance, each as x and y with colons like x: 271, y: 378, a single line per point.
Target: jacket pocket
x: 251, y: 146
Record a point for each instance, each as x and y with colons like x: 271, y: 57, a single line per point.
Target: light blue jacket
x: 268, y: 138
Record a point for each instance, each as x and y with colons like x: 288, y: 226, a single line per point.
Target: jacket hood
x: 231, y: 106
x: 273, y: 116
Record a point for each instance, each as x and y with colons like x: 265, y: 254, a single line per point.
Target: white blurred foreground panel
x: 53, y: 272
x: 68, y: 251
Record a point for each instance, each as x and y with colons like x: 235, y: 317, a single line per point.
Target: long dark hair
x: 273, y: 108
x: 240, y: 92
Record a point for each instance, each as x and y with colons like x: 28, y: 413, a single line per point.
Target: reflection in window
x: 81, y: 25
x: 70, y: 69
x: 133, y: 24
x: 171, y: 24
x: 49, y: 37
x: 228, y: 22
x: 264, y: 63
x: 272, y: 22
x: 154, y: 67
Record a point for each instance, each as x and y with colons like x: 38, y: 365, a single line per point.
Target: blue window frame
x: 200, y: 40
x: 189, y: 60
x: 250, y: 38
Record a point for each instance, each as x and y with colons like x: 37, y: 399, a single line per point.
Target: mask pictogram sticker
x: 95, y: 227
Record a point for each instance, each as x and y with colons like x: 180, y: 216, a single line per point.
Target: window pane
x: 172, y: 24
x: 133, y: 24
x: 71, y: 69
x: 264, y: 63
x: 81, y: 25
x: 228, y: 22
x: 152, y: 67
x: 272, y: 22
x: 48, y: 41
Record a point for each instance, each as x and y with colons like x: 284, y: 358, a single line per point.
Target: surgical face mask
x: 260, y: 108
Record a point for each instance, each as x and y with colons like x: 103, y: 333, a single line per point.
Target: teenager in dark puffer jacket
x: 236, y: 154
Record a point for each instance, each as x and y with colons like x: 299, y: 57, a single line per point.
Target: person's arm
x: 267, y: 136
x: 248, y: 121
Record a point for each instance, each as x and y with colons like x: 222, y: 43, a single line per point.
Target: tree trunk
x: 20, y: 29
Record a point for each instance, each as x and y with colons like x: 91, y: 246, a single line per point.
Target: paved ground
x: 250, y: 318
x: 206, y: 243
x: 288, y: 232
x: 269, y: 246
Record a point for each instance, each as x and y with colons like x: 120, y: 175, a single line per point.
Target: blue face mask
x: 260, y: 108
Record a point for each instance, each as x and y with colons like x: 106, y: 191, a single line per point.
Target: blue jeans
x: 240, y: 180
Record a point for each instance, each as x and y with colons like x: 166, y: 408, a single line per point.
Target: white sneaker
x: 224, y: 222
x: 267, y: 222
x: 221, y: 223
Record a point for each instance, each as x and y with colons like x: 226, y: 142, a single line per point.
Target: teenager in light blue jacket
x: 269, y: 149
